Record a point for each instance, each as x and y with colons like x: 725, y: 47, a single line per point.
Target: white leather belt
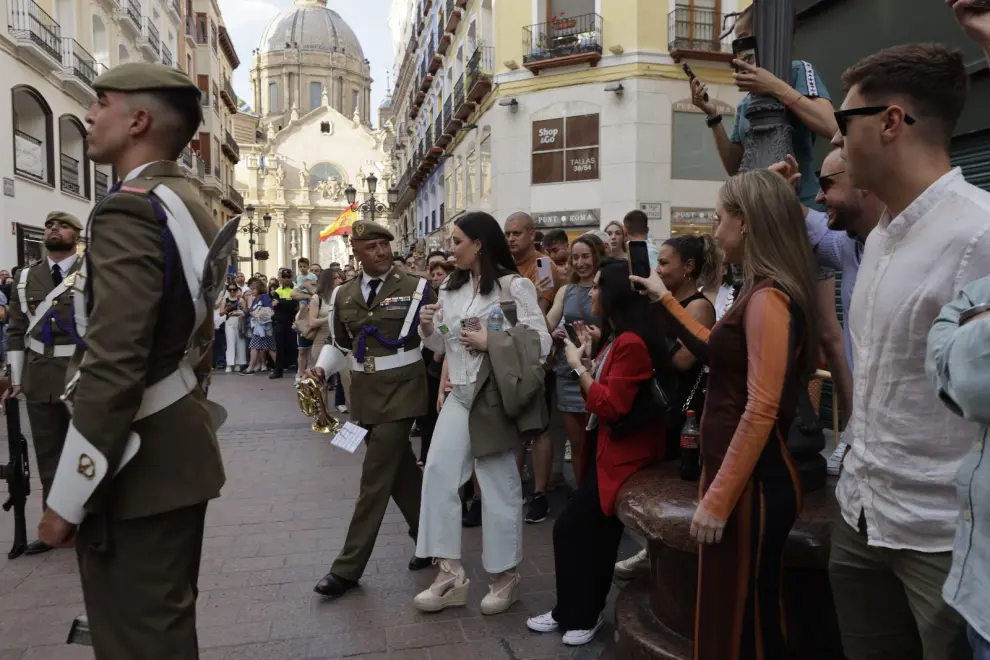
x: 375, y: 364
x: 167, y: 391
x: 58, y: 350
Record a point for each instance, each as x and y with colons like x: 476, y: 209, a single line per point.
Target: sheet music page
x: 349, y: 438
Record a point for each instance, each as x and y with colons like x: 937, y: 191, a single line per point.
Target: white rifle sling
x: 411, y: 313
x: 22, y: 290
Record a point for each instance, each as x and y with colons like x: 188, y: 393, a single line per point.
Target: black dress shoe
x: 419, y: 563
x: 37, y: 548
x: 333, y: 585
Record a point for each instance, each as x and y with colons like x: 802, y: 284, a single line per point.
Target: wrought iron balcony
x: 166, y: 56
x: 186, y: 158
x: 694, y: 33
x: 152, y: 38
x: 78, y: 63
x: 479, y: 73
x: 234, y: 200
x: 200, y: 168
x: 228, y: 96
x: 230, y: 147
x: 101, y: 185
x: 70, y: 176
x: 440, y: 138
x: 131, y: 12
x: 32, y: 26
x: 564, y: 41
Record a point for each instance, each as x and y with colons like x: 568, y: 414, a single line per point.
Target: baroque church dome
x: 312, y: 26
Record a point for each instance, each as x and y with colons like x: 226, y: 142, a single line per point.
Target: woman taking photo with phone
x: 757, y: 354
x: 623, y: 433
x: 459, y: 325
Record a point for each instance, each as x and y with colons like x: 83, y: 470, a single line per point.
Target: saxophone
x: 312, y: 403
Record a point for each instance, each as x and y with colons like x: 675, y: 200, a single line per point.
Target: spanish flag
x: 343, y: 221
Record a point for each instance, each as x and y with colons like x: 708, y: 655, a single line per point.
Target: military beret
x: 67, y: 218
x: 143, y: 77
x: 365, y: 230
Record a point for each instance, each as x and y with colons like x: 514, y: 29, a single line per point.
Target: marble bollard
x: 655, y: 617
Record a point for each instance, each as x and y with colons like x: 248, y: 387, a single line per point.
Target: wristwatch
x: 580, y: 371
x: 713, y: 121
x: 973, y: 311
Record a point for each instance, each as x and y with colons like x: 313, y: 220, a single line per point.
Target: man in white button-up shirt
x: 891, y: 549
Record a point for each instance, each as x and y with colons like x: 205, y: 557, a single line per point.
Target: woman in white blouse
x: 483, y: 266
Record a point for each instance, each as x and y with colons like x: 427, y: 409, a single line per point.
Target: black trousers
x: 585, y: 547
x: 285, y: 345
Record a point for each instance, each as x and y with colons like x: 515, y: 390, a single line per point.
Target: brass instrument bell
x: 310, y: 395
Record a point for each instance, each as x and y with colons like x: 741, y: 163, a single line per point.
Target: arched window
x: 273, y: 105
x: 101, y: 42
x: 33, y: 135
x: 73, y: 159
x: 324, y: 172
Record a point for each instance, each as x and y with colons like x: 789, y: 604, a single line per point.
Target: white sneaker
x: 567, y: 451
x: 582, y: 637
x: 229, y: 370
x: 544, y: 623
x: 342, y: 409
x: 627, y: 569
x: 834, y: 464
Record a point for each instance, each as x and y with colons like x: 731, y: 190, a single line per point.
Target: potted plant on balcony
x: 560, y: 22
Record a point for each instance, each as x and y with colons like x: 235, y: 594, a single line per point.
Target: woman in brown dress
x: 750, y: 489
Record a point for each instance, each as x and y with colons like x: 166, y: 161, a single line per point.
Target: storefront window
x: 693, y: 152
x: 565, y: 149
x: 687, y: 222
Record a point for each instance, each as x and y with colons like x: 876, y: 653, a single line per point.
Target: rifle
x: 17, y: 472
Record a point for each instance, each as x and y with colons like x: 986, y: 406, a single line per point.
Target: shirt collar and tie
x: 60, y: 268
x: 371, y: 285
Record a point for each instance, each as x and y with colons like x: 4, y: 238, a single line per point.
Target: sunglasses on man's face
x: 842, y: 116
x: 827, y: 181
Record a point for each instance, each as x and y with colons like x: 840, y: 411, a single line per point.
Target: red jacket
x: 627, y: 367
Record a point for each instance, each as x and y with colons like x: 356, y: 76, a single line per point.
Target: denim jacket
x: 959, y: 364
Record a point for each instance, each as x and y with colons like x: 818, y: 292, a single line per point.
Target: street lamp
x: 251, y: 229
x: 372, y: 205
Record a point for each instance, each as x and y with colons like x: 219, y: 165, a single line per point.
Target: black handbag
x: 654, y: 400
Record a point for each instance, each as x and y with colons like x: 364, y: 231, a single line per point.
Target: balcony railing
x: 459, y: 92
x: 563, y: 42
x: 166, y: 55
x: 152, y: 35
x: 174, y: 6
x: 228, y: 95
x: 101, y: 185
x: 235, y: 198
x: 438, y: 135
x: 30, y: 20
x: 190, y: 27
x: 78, y: 61
x: 69, y: 175
x: 200, y: 167
x: 231, y: 144
x: 479, y: 73
x: 428, y: 139
x: 695, y: 33
x: 186, y: 158
x: 132, y: 10
x: 448, y: 111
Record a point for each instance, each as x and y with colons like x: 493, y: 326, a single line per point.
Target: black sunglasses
x: 842, y: 116
x: 826, y: 182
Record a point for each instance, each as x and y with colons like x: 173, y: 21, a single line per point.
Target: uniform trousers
x: 448, y: 465
x: 140, y: 584
x: 49, y: 425
x: 889, y: 602
x: 389, y: 471
x: 585, y: 547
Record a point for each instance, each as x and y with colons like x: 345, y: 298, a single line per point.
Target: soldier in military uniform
x: 374, y: 316
x: 41, y: 339
x: 141, y: 460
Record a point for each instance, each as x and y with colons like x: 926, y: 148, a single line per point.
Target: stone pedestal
x: 655, y: 616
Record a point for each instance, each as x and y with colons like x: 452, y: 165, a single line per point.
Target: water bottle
x: 690, y: 448
x: 495, y: 318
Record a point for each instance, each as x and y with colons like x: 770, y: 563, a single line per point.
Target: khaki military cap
x: 67, y: 218
x: 365, y: 230
x: 142, y: 77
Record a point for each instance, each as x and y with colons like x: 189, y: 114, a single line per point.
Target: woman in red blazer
x: 587, y: 534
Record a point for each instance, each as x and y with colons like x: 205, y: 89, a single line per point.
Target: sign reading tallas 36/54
x: 565, y: 149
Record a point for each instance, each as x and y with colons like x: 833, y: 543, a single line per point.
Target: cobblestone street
x: 274, y: 532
